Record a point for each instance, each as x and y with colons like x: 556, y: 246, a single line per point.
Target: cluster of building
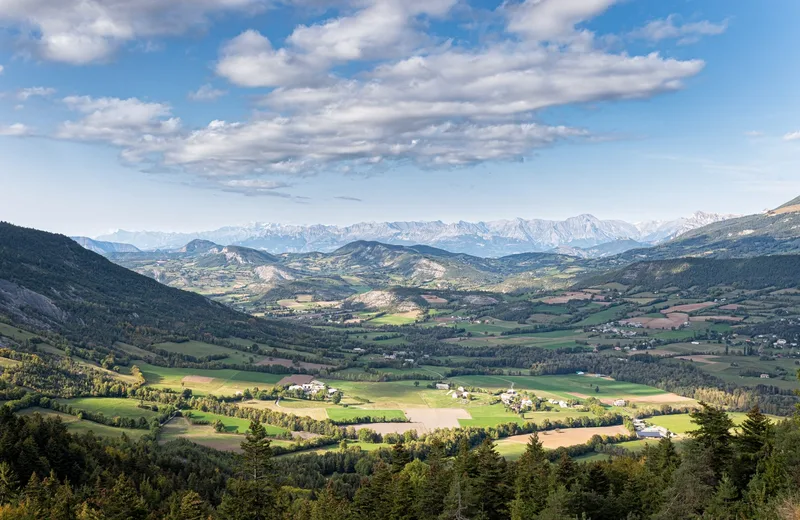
x: 306, y: 384
x: 643, y: 431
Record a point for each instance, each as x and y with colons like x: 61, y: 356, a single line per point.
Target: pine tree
x: 430, y: 498
x: 328, y: 506
x: 400, y: 457
x: 491, y: 487
x: 566, y: 472
x: 714, y: 434
x: 9, y: 484
x: 725, y: 503
x: 531, y: 483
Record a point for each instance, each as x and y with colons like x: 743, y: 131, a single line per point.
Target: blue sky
x: 194, y: 114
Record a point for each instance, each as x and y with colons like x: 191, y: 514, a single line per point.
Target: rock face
x: 485, y: 239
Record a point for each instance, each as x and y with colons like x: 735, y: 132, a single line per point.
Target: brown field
x: 701, y: 358
x: 570, y: 436
x: 289, y: 363
x: 720, y: 318
x: 197, y: 379
x: 430, y: 298
x: 319, y: 413
x: 787, y: 209
x: 672, y: 320
x: 688, y: 307
x: 432, y: 418
x: 658, y: 399
x: 566, y: 297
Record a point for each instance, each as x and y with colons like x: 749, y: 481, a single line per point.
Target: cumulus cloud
x: 671, y: 28
x: 792, y: 136
x: 414, y: 100
x: 553, y: 20
x: 14, y: 130
x: 137, y: 126
x: 382, y: 29
x: 27, y: 93
x: 206, y: 93
x: 87, y: 31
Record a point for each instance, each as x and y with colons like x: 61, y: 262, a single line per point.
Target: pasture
x: 348, y: 414
x: 232, y: 424
x: 81, y: 427
x: 110, y: 407
x: 206, y: 381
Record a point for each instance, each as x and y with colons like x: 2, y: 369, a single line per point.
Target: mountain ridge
x: 485, y: 238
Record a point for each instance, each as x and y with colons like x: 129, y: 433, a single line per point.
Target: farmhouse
x: 296, y: 379
x: 442, y: 386
x: 653, y: 432
x: 620, y: 402
x: 764, y: 376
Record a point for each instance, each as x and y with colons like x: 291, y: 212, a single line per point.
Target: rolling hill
x: 50, y: 282
x: 779, y: 271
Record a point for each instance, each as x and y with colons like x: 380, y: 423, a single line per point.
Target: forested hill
x: 780, y: 271
x: 48, y: 281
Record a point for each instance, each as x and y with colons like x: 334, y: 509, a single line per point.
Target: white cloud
x: 382, y: 29
x: 250, y: 61
x: 27, y: 93
x: 792, y: 136
x: 132, y: 124
x: 754, y: 133
x: 1, y: 69
x: 553, y: 20
x: 86, y: 31
x: 14, y: 130
x: 669, y: 28
x: 434, y: 106
x: 206, y: 93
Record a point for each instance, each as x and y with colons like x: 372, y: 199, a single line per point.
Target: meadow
x: 110, y: 407
x: 232, y: 424
x: 206, y: 381
x: 81, y: 427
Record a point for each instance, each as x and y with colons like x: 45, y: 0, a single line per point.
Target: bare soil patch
x: 566, y: 297
x: 688, y: 307
x: 667, y: 398
x: 197, y: 379
x: 553, y: 439
x: 305, y: 435
x: 430, y: 298
x: 432, y: 418
x: 671, y: 321
x: 717, y: 318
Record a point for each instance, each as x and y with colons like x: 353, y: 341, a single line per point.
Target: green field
x: 199, y: 349
x: 394, y: 319
x: 682, y: 423
x: 80, y: 427
x: 232, y: 424
x: 223, y: 381
x: 348, y: 414
x: 490, y: 416
x: 561, y: 386
x: 110, y: 407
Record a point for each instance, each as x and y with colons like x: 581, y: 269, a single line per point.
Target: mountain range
x: 577, y: 236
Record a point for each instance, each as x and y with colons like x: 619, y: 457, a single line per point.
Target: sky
x: 187, y: 115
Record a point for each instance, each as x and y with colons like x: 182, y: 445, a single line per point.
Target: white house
x: 620, y: 402
x: 442, y: 386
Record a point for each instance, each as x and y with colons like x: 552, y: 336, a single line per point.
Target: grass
x: 402, y: 318
x: 604, y: 316
x: 199, y: 349
x: 232, y: 424
x: 561, y: 386
x: 110, y: 407
x: 14, y: 333
x: 348, y: 414
x: 224, y: 381
x: 81, y: 427
x: 491, y: 416
x: 682, y: 423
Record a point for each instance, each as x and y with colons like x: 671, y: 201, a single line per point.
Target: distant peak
x: 199, y: 246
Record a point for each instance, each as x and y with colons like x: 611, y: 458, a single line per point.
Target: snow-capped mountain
x: 487, y: 239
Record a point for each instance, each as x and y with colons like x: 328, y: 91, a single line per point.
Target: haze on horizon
x: 338, y: 113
